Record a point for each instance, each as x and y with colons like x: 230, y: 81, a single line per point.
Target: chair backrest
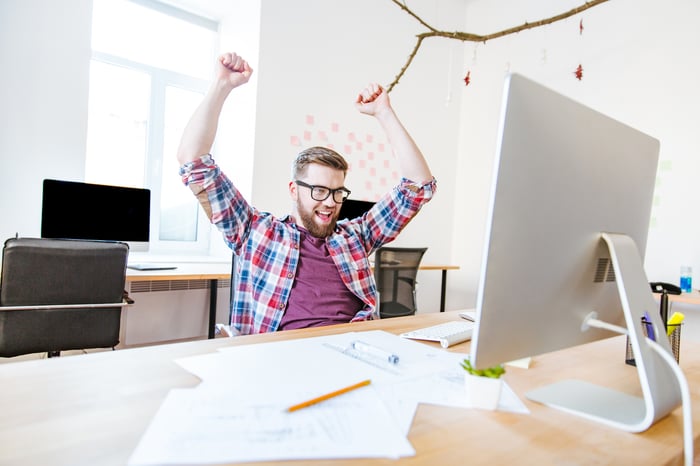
x: 50, y: 272
x: 395, y: 271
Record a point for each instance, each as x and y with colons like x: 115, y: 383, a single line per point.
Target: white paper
x: 199, y: 426
x: 238, y: 411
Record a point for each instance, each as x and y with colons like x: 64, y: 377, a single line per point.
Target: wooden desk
x: 189, y: 271
x: 184, y: 271
x: 92, y: 409
x: 686, y: 298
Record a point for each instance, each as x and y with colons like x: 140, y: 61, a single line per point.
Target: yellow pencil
x: 327, y: 396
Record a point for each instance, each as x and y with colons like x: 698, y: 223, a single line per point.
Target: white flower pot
x: 482, y: 392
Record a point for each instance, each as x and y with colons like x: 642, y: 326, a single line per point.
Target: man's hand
x: 233, y: 70
x: 372, y: 100
x: 200, y: 131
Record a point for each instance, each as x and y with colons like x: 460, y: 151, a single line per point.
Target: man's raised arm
x: 198, y: 137
x: 374, y: 100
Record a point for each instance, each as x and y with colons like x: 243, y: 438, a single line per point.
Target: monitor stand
x: 660, y: 387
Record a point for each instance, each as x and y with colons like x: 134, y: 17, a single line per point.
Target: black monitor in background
x: 353, y: 208
x: 75, y: 210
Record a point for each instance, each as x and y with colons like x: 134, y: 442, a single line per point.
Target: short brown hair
x: 321, y: 156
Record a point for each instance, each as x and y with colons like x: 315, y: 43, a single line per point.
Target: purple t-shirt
x: 318, y: 297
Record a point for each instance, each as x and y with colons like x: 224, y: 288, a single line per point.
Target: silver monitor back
x: 565, y: 176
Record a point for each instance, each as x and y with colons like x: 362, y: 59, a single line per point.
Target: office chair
x: 58, y: 295
x: 395, y: 271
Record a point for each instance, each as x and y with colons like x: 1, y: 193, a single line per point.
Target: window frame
x: 161, y: 79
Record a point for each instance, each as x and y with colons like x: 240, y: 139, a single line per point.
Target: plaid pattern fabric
x: 267, y: 247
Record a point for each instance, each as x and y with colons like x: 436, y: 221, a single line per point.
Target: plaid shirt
x: 267, y: 248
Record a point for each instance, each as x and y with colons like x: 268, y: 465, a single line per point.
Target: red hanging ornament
x: 467, y: 78
x: 579, y: 72
x: 580, y: 27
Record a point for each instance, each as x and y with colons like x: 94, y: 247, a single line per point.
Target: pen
x: 378, y: 352
x: 327, y: 396
x: 649, y: 326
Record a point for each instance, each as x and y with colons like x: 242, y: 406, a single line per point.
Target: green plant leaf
x: 491, y: 372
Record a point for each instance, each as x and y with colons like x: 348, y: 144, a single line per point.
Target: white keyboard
x: 151, y: 266
x: 448, y: 333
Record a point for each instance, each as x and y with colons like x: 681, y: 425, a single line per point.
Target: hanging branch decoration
x: 578, y: 72
x: 469, y: 37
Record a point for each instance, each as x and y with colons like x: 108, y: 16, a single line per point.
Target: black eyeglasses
x: 321, y: 193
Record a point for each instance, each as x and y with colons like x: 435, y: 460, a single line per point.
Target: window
x: 150, y: 67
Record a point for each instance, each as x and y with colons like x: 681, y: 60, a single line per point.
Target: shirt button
x: 295, y: 246
x: 280, y: 305
x: 290, y: 275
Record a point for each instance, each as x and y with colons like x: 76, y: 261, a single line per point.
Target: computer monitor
x: 569, y: 215
x: 353, y: 208
x: 75, y: 210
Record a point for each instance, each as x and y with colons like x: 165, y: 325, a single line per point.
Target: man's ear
x: 293, y: 190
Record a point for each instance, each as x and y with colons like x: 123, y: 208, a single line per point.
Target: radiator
x: 171, y: 310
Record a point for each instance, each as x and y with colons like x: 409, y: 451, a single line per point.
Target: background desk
x: 686, y: 298
x: 222, y: 271
x: 189, y: 271
x: 92, y: 409
x: 443, y: 283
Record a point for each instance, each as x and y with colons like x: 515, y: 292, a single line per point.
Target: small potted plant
x: 483, y: 386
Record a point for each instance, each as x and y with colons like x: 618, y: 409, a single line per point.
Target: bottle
x: 686, y: 279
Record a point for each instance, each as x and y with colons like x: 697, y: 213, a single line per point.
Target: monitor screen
x: 565, y: 178
x: 353, y: 208
x: 75, y: 210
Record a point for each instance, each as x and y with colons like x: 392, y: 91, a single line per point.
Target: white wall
x: 316, y: 56
x: 44, y: 58
x: 639, y: 67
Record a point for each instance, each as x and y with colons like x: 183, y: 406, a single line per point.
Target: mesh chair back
x: 395, y: 271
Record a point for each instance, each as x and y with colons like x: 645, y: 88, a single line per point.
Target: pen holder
x: 674, y: 338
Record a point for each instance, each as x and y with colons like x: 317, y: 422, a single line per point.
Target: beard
x: 309, y: 221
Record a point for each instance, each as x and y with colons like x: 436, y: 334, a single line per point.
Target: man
x: 304, y: 269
